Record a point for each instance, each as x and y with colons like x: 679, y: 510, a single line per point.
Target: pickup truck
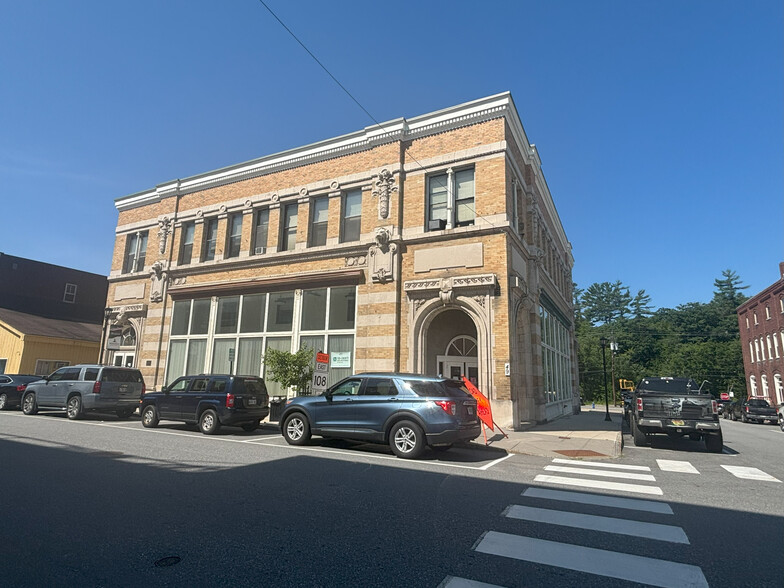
x: 756, y: 410
x: 676, y: 407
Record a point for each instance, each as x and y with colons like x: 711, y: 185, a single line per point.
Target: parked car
x: 406, y: 411
x: 11, y: 388
x: 209, y: 400
x: 80, y: 388
x: 757, y: 410
x: 780, y: 413
x: 721, y: 404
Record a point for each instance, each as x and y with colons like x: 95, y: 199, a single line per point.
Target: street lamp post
x: 603, y: 343
x: 107, y: 312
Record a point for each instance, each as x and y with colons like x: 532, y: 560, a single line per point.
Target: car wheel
x: 250, y: 427
x: 74, y: 408
x: 743, y: 417
x: 124, y: 413
x: 714, y: 442
x: 3, y: 401
x: 208, y: 422
x: 296, y: 429
x: 29, y: 406
x: 150, y: 416
x: 640, y: 438
x: 406, y: 440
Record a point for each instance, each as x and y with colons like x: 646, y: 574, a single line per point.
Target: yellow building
x: 36, y: 345
x: 428, y: 245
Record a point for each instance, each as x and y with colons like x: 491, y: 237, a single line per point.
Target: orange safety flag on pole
x: 483, y: 410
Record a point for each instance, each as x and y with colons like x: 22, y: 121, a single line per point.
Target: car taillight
x: 746, y: 408
x: 715, y: 407
x: 144, y: 389
x: 21, y: 388
x: 639, y: 405
x: 229, y: 400
x: 448, y: 405
x: 96, y: 387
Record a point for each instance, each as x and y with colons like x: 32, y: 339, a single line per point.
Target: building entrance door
x: 124, y: 359
x: 457, y: 367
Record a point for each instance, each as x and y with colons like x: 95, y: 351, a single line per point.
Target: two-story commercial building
x: 428, y: 245
x: 761, y: 324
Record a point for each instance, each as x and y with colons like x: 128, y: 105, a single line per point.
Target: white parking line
x: 603, y: 465
x: 624, y: 475
x: 452, y: 582
x: 600, y: 484
x: 634, y: 568
x: 750, y: 473
x: 600, y: 500
x: 683, y: 467
x: 597, y: 523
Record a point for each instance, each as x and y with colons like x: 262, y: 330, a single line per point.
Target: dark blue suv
x: 211, y: 400
x: 407, y: 411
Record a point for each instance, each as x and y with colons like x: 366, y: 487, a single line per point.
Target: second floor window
x: 210, y: 239
x: 135, y: 252
x: 318, y: 222
x: 260, y: 231
x: 70, y: 293
x: 450, y: 200
x: 351, y: 220
x: 186, y: 248
x: 234, y: 235
x: 289, y: 232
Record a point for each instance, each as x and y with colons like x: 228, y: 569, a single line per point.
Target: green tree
x: 290, y: 370
x: 605, y: 302
x: 728, y: 289
x: 641, y: 305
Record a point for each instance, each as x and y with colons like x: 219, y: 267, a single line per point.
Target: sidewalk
x: 586, y: 435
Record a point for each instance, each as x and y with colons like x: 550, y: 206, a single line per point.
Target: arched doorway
x: 122, y: 340
x: 460, y: 359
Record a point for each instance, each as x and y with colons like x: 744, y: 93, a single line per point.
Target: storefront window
x: 281, y: 311
x: 314, y: 309
x: 228, y: 314
x: 342, y: 307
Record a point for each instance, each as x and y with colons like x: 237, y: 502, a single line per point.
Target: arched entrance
x: 460, y: 359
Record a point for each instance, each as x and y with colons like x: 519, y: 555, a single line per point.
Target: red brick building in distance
x: 761, y: 322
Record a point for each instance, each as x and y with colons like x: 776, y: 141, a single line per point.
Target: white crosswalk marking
x: 598, y: 464
x: 606, y: 474
x: 453, y: 582
x: 596, y: 523
x: 750, y: 473
x: 600, y: 484
x: 634, y: 568
x: 683, y: 467
x: 599, y: 500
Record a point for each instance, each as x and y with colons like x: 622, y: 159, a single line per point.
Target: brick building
x: 428, y: 245
x: 761, y: 323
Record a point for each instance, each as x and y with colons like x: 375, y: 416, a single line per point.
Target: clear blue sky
x: 657, y: 121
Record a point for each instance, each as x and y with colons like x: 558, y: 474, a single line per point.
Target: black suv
x: 211, y: 400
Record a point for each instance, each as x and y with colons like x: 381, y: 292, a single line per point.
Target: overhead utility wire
x: 349, y: 94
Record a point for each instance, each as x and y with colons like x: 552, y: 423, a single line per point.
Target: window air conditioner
x: 259, y: 250
x: 436, y: 225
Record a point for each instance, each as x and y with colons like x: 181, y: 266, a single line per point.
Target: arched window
x: 462, y: 347
x: 779, y: 388
x: 753, y: 385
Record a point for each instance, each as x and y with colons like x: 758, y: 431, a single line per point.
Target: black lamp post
x: 107, y: 312
x: 603, y: 343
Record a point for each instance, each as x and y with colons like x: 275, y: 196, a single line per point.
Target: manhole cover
x: 166, y: 562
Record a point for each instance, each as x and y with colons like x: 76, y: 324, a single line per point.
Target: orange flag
x: 483, y: 410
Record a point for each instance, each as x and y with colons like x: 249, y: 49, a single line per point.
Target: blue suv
x: 407, y: 411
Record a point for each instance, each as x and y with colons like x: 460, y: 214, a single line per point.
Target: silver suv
x: 79, y: 388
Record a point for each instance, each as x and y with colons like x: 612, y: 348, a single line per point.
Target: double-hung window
x: 234, y: 235
x: 351, y: 220
x: 450, y: 199
x: 135, y: 252
x: 260, y: 231
x: 289, y: 232
x: 210, y: 239
x: 186, y: 247
x: 318, y: 221
x: 69, y: 295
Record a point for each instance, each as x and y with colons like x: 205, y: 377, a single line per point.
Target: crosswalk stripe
x: 590, y: 472
x: 597, y: 523
x: 597, y: 464
x: 453, y: 582
x: 750, y: 473
x: 601, y: 484
x: 683, y: 467
x: 599, y: 500
x: 634, y: 568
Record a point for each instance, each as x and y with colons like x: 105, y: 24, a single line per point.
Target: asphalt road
x: 108, y: 503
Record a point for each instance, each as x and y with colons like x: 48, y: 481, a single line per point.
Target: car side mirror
x: 328, y: 394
